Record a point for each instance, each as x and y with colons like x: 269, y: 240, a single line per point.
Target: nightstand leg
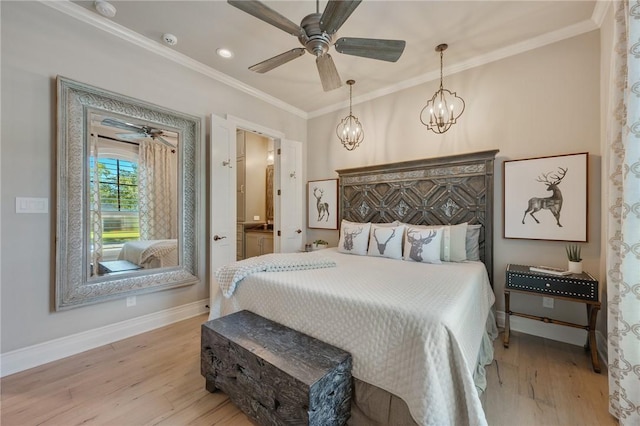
x: 592, y: 315
x: 507, y: 313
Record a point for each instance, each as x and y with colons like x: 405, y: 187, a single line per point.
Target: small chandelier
x: 349, y: 130
x: 441, y: 112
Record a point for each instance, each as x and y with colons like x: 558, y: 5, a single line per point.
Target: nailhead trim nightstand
x: 581, y: 288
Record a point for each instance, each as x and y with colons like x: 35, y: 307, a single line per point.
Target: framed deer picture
x: 546, y: 198
x: 322, y: 204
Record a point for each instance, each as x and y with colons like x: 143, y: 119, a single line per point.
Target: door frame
x: 238, y: 123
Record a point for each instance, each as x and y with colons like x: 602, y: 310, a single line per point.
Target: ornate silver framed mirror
x: 127, y: 196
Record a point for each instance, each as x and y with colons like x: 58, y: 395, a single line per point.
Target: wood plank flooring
x: 154, y: 379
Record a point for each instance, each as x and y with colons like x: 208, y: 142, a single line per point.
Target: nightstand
x: 581, y: 288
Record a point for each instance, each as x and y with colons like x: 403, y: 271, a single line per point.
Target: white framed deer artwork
x: 546, y: 198
x: 322, y: 204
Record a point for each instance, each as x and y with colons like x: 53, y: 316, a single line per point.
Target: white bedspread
x: 142, y: 251
x: 228, y: 276
x: 413, y: 329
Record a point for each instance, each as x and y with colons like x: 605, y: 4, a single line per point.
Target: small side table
x: 581, y: 288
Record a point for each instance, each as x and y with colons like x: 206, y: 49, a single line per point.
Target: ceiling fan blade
x: 336, y: 13
x: 131, y: 136
x: 384, y: 50
x: 276, y: 61
x: 268, y: 15
x: 328, y: 73
x: 112, y: 122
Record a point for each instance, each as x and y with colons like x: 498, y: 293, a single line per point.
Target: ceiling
x: 476, y: 31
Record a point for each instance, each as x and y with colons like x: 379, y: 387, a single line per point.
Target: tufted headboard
x: 433, y: 191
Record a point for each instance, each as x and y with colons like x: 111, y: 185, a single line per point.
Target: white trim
x: 88, y: 17
x: 42, y: 353
x: 603, y: 350
x: 560, y: 333
x: 84, y: 15
x: 600, y: 11
x: 243, y: 124
x: 573, y: 336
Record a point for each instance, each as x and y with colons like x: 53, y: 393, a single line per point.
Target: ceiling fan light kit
x: 105, y: 8
x: 316, y: 33
x: 444, y: 108
x: 349, y: 130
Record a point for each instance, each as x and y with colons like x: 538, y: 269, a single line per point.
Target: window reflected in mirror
x: 133, y: 196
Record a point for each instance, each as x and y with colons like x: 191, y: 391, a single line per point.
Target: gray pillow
x: 472, y: 245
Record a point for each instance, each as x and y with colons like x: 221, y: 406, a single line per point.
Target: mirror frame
x: 76, y: 101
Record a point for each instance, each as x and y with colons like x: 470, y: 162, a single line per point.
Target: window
x: 118, y: 183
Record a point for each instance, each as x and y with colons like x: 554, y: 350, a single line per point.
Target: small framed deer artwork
x: 546, y: 198
x: 322, y: 204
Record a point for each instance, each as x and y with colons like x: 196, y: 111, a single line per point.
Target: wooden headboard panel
x: 433, y: 191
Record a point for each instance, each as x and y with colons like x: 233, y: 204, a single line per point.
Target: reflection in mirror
x: 127, y: 196
x: 133, y: 196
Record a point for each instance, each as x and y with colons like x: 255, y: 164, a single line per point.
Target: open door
x: 222, y: 201
x: 289, y: 200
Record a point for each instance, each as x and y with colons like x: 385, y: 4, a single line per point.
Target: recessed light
x: 224, y: 53
x: 104, y: 8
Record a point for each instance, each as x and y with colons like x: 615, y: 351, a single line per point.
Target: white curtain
x: 622, y: 159
x: 157, y: 187
x: 96, y: 208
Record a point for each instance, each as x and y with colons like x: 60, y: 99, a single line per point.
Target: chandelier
x: 444, y: 108
x: 349, y: 130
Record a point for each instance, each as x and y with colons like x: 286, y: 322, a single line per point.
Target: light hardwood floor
x: 154, y: 378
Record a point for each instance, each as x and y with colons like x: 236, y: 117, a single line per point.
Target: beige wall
x: 39, y: 43
x: 539, y: 103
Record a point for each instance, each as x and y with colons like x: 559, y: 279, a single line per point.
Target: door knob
x: 298, y: 231
x: 217, y: 237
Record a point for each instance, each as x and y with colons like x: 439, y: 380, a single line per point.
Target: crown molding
x: 600, y: 11
x: 86, y: 16
x: 514, y: 49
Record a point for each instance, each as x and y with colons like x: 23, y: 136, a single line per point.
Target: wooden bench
x: 275, y: 374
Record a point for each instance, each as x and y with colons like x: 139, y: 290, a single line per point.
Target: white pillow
x: 385, y: 240
x: 453, y: 246
x: 473, y: 242
x: 354, y: 237
x: 423, y: 244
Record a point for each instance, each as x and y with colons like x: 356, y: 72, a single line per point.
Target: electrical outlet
x: 131, y: 301
x: 547, y: 302
x: 256, y: 218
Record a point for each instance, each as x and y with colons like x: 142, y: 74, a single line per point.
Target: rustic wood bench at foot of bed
x: 275, y: 374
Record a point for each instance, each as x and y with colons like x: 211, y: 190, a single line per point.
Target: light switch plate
x: 547, y: 302
x: 32, y: 205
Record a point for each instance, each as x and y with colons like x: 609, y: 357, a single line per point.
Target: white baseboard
x: 42, y: 353
x: 560, y: 333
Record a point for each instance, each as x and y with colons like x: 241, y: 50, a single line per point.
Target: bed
x: 419, y: 333
x: 150, y: 253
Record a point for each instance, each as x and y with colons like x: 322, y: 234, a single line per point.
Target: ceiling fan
x: 139, y: 131
x: 316, y: 33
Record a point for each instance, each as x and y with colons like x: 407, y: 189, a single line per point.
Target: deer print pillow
x: 354, y: 237
x: 422, y: 244
x: 386, y: 240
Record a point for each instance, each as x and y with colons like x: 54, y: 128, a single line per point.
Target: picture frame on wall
x: 546, y: 198
x: 322, y: 204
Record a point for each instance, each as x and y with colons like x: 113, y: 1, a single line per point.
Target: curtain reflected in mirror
x: 133, y: 196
